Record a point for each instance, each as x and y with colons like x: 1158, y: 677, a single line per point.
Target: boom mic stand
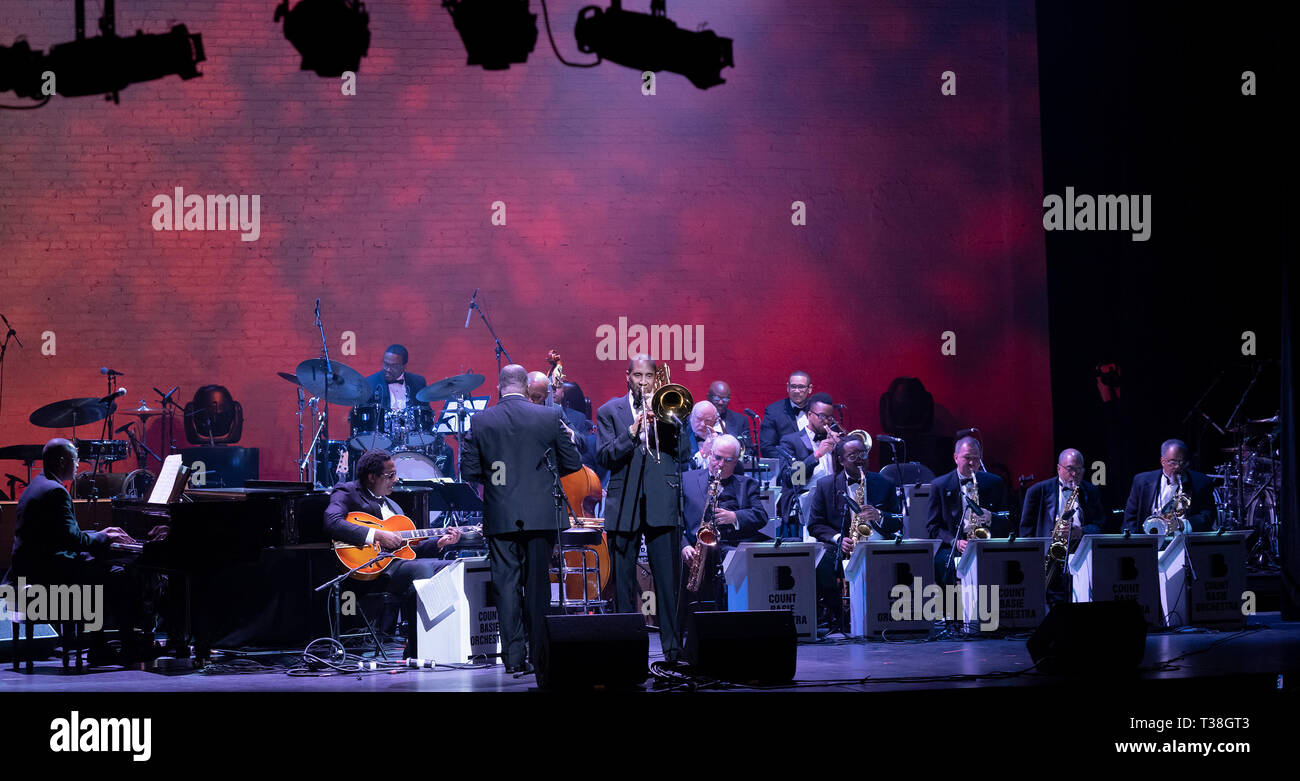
x: 500, y: 348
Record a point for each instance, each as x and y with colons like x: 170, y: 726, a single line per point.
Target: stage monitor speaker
x: 1090, y: 638
x: 743, y: 645
x: 583, y: 652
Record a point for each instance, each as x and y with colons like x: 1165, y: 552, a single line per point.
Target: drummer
x: 394, y: 388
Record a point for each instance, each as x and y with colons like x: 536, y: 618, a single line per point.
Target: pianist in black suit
x: 738, y: 513
x: 1154, y: 491
x: 948, y: 499
x: 51, y: 549
x: 369, y: 493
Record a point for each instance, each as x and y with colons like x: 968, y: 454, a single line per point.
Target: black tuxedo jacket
x: 793, y: 449
x: 947, y: 502
x: 505, y: 452
x: 586, y: 436
x: 639, y: 490
x: 779, y: 418
x: 346, y: 498
x: 1201, y: 514
x: 47, y: 531
x: 379, y: 390
x: 829, y: 513
x: 737, y: 425
x: 1038, y: 515
x: 750, y: 517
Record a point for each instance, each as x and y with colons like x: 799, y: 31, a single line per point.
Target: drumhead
x: 415, y: 466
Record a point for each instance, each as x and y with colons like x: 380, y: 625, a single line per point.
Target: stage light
x: 652, y: 42
x: 331, y: 35
x: 104, y: 65
x: 496, y: 33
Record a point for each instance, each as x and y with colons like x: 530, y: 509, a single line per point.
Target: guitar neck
x: 422, y: 534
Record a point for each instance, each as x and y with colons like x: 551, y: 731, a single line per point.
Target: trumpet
x: 835, y: 428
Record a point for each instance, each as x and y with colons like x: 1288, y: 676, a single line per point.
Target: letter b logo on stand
x: 784, y: 579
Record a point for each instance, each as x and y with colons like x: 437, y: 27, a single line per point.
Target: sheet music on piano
x: 171, y: 479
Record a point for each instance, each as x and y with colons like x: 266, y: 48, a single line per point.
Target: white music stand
x: 873, y: 571
x: 1202, y: 578
x: 762, y: 576
x: 456, y: 620
x: 447, y: 416
x: 1016, y: 569
x: 1112, y: 567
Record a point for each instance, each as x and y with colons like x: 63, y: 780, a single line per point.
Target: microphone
x: 470, y: 311
x: 887, y: 438
x: 840, y: 406
x: 166, y: 397
x: 111, y: 396
x: 751, y: 413
x: 110, y: 372
x: 318, y: 309
x: 12, y: 333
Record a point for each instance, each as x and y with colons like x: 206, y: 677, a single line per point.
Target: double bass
x: 583, y: 491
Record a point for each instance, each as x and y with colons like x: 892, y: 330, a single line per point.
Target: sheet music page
x: 162, y: 489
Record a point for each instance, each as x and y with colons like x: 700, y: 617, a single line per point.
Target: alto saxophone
x: 860, y: 529
x: 706, y: 537
x: 1060, y: 547
x: 1169, y: 521
x: 974, y: 530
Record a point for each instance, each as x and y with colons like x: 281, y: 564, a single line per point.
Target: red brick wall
x: 923, y: 212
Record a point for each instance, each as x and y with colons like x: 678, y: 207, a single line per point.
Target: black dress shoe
x: 523, y: 668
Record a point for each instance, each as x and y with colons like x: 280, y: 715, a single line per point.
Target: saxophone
x: 974, y: 530
x: 706, y: 537
x: 1060, y: 547
x: 860, y: 528
x: 1169, y: 521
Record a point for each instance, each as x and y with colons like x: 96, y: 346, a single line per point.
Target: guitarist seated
x: 376, y: 476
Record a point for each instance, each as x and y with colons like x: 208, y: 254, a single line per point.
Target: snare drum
x: 369, y: 431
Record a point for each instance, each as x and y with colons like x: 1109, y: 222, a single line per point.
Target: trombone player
x: 645, y: 455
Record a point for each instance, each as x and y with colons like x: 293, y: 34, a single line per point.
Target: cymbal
x: 450, y: 387
x: 142, y: 414
x: 347, y: 386
x: 1273, y: 419
x: 72, y: 412
x: 24, y: 453
x: 290, y: 377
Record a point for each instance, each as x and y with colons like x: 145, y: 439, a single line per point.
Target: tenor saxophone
x: 1060, y: 547
x: 706, y: 537
x: 974, y: 530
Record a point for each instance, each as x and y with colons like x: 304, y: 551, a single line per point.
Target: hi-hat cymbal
x: 72, y: 412
x: 144, y: 413
x: 346, y: 386
x: 24, y: 453
x: 290, y: 377
x: 450, y: 388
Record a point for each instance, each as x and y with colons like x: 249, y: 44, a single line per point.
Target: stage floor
x: 1266, y: 649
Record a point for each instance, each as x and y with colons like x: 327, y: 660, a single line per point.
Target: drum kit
x: 1252, y: 481
x: 77, y: 412
x: 415, y: 435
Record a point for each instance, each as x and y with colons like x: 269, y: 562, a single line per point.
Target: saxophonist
x: 955, y: 491
x: 641, y: 496
x: 1043, y: 505
x: 1153, y: 491
x: 738, y: 514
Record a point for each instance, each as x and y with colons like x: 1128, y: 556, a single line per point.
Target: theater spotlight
x: 103, y: 65
x: 652, y: 42
x: 495, y: 32
x: 331, y: 35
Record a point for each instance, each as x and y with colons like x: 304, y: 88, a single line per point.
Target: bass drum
x: 138, y: 484
x: 411, y: 465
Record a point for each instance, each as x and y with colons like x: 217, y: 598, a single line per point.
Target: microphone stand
x: 500, y: 348
x: 11, y: 334
x: 329, y: 380
x: 335, y: 598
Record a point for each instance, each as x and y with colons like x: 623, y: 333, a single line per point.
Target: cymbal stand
x: 329, y: 380
x: 169, y: 425
x: 302, y: 402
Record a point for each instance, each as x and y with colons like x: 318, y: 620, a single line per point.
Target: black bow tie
x: 966, y: 480
x: 819, y: 437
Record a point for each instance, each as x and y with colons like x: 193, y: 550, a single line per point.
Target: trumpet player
x: 966, y: 487
x: 738, y: 513
x: 1153, y: 492
x: 641, y: 496
x: 807, y: 453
